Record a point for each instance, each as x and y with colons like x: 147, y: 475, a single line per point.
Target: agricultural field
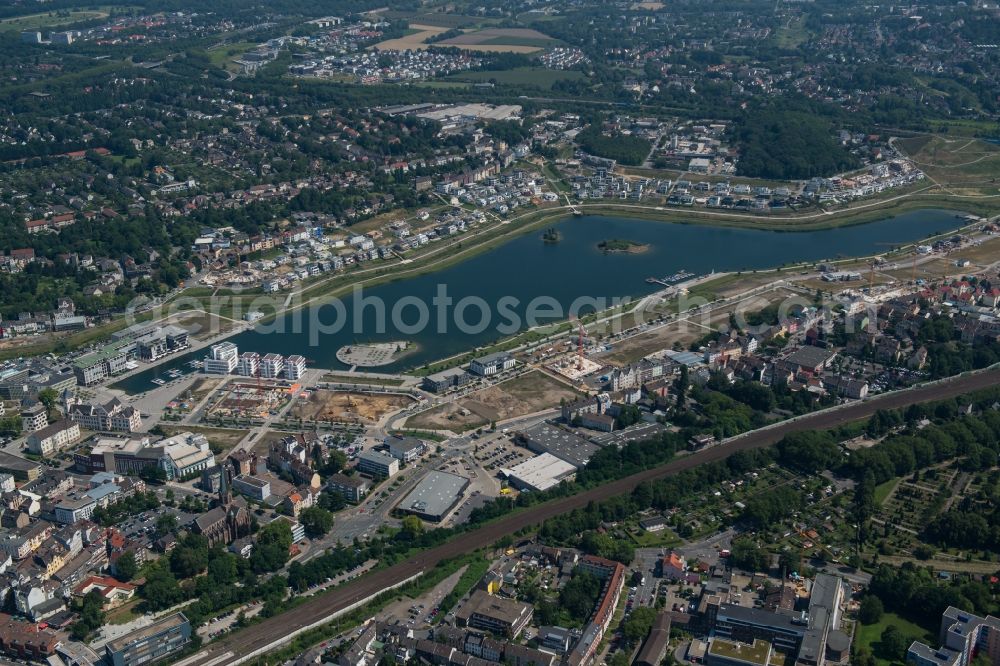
x: 45, y: 20
x: 346, y: 406
x: 525, y: 76
x: 511, y: 40
x: 415, y: 40
x: 529, y: 393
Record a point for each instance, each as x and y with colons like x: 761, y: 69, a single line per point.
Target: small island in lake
x: 551, y: 236
x: 618, y: 245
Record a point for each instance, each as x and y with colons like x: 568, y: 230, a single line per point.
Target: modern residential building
x: 353, y: 488
x: 160, y: 342
x: 149, y: 643
x: 222, y: 359
x: 249, y: 364
x: 53, y: 438
x: 272, y: 365
x: 378, y: 464
x: 295, y: 367
x: 34, y: 416
x: 107, y: 362
x: 492, y: 364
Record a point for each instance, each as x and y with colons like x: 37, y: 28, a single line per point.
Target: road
x: 231, y: 648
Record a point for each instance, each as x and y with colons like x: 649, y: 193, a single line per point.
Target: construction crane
x: 579, y: 344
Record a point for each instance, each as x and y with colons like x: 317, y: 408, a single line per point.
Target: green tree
x: 413, y: 527
x: 91, y: 610
x: 48, y: 397
x: 871, y: 610
x: 126, y: 567
x: 316, y: 521
x: 272, y: 549
x: 892, y: 644
x: 166, y: 523
x: 638, y: 624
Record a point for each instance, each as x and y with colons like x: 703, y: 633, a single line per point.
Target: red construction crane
x: 579, y: 345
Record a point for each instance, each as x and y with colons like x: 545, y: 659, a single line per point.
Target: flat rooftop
x: 435, y: 495
x: 167, y: 623
x: 758, y: 653
x: 8, y: 461
x: 544, y: 438
x: 541, y: 472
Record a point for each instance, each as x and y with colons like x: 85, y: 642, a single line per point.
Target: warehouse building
x: 435, y: 496
x: 540, y: 473
x: 545, y: 438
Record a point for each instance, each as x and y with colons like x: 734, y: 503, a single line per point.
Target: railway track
x: 231, y: 649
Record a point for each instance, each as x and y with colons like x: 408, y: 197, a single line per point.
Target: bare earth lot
x: 347, y: 406
x: 529, y: 393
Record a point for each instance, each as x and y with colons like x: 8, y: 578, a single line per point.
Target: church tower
x: 225, y: 492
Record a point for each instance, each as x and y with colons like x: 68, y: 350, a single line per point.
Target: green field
x: 531, y: 76
x: 869, y: 635
x: 520, y: 41
x: 51, y: 19
x: 222, y: 57
x: 883, y: 489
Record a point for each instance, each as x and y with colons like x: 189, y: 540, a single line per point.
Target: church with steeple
x: 229, y: 520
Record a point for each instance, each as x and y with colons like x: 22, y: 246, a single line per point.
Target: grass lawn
x: 882, y: 490
x: 663, y: 539
x: 223, y: 56
x: 869, y: 635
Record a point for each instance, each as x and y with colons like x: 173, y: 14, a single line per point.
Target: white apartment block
x: 272, y: 365
x: 222, y: 359
x: 295, y: 367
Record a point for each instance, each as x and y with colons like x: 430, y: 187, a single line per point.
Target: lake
x: 527, y: 276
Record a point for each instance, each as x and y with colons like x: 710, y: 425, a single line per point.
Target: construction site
x: 243, y: 400
x: 527, y: 394
x: 575, y: 366
x: 347, y: 406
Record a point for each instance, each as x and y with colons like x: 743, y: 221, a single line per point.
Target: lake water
x: 526, y: 268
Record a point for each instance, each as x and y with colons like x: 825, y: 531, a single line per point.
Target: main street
x: 279, y: 629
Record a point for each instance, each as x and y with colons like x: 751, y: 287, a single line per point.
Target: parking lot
x: 500, y: 452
